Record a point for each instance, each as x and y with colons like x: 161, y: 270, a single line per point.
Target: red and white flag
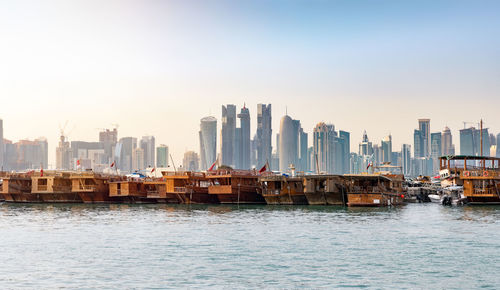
x: 369, y: 164
x: 153, y: 170
x: 112, y: 164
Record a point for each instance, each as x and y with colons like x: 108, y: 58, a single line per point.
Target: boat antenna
x: 173, y: 163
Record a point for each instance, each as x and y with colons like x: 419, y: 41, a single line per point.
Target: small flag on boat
x: 112, y: 164
x: 265, y: 167
x: 153, y: 170
x: 369, y: 164
x: 78, y: 162
x: 41, y: 172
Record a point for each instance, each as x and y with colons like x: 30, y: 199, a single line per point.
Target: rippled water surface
x: 164, y: 246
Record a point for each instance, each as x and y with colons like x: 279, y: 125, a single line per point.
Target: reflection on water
x: 251, y: 246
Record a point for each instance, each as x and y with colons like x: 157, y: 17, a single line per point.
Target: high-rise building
x: 436, y: 146
x: 147, y: 144
x: 228, y: 134
x: 418, y: 144
x: 470, y: 140
x: 288, y: 142
x: 365, y: 147
x: 321, y: 137
x: 332, y: 149
x: 406, y: 159
x: 137, y: 159
x: 303, y: 151
x: 424, y: 126
x: 63, y: 154
x: 264, y: 134
x: 2, y: 147
x: 109, y: 138
x: 162, y: 156
x: 208, y: 141
x: 123, y: 152
x: 386, y: 146
x: 447, y: 147
x: 26, y: 154
x: 190, y: 161
x: 243, y: 157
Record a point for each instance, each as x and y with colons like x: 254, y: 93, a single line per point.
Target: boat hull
x: 325, y: 198
x: 285, y: 199
x: 373, y: 199
x: 241, y: 198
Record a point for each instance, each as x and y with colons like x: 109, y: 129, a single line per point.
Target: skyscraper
x: 190, y: 161
x: 406, y: 159
x: 244, y: 139
x: 109, y: 138
x: 365, y: 147
x: 208, y: 141
x: 386, y: 146
x: 138, y: 159
x: 470, y: 140
x: 447, y: 147
x: 436, y: 145
x: 424, y: 127
x: 63, y: 154
x: 162, y: 156
x: 228, y: 134
x: 288, y: 139
x: 321, y: 138
x: 264, y: 134
x: 418, y: 144
x: 124, y: 151
x: 332, y: 149
x: 147, y: 144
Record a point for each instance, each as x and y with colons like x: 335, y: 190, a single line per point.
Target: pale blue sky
x: 157, y: 67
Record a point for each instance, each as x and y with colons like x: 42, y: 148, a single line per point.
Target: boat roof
x: 366, y: 176
x: 468, y: 157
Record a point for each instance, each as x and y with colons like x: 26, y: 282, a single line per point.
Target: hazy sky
x: 158, y: 67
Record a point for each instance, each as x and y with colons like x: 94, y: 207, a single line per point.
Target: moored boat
x: 54, y: 187
x: 91, y: 187
x: 373, y: 190
x: 479, y: 176
x: 280, y: 189
x: 235, y: 186
x: 16, y: 187
x: 325, y: 189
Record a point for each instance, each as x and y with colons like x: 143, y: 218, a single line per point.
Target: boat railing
x: 179, y: 189
x: 479, y: 173
x: 42, y: 187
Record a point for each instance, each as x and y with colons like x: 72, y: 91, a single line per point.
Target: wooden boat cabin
x: 279, y: 189
x: 479, y: 176
x: 16, y: 187
x: 325, y: 189
x: 130, y: 190
x: 54, y: 186
x: 372, y: 190
x: 91, y: 187
x: 235, y: 186
x: 188, y: 187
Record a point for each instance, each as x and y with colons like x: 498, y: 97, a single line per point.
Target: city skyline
x: 156, y: 69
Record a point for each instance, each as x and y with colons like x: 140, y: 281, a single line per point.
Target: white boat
x: 436, y: 198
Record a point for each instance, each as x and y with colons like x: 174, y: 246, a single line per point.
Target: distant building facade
x: 208, y: 141
x: 191, y: 161
x: 162, y: 156
x: 264, y: 134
